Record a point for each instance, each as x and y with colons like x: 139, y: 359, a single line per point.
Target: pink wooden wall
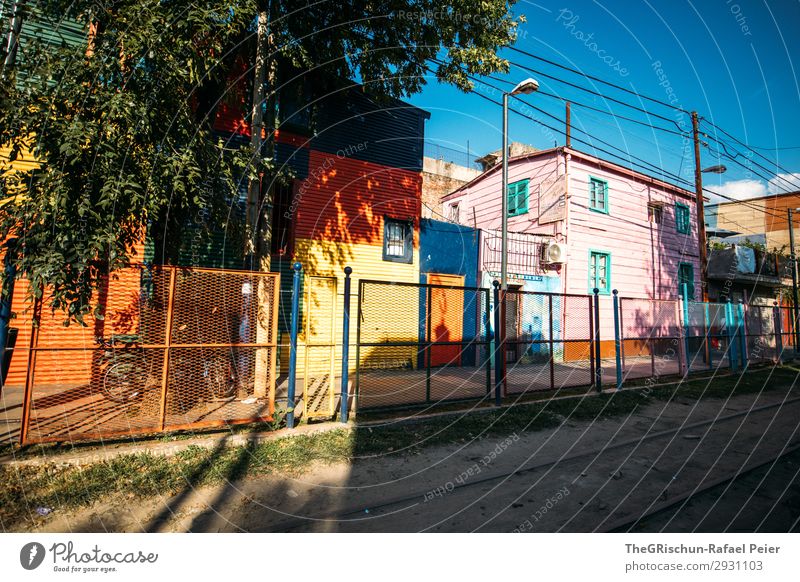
x: 480, y: 202
x: 644, y: 256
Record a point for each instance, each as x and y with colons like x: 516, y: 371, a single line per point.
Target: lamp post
x: 793, y: 260
x: 525, y: 87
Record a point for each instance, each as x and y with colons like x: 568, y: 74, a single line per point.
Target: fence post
x: 345, y: 344
x: 488, y: 324
x: 428, y: 346
x: 741, y: 323
x: 499, y: 348
x: 731, y: 336
x: 598, y: 370
x: 617, y: 342
x: 293, y: 346
x: 552, y: 352
x: 6, y: 296
x: 776, y: 324
x: 707, y: 328
x: 686, y: 326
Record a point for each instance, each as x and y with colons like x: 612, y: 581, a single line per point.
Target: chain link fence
x: 421, y: 344
x: 171, y: 349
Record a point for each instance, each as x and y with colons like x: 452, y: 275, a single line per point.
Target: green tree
x: 122, y: 125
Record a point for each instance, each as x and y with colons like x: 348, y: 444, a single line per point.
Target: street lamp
x: 525, y: 87
x: 793, y: 260
x: 715, y: 170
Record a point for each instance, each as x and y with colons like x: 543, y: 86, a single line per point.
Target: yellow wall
x: 24, y: 162
x: 397, y: 309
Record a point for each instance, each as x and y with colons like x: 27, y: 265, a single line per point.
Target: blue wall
x: 450, y: 249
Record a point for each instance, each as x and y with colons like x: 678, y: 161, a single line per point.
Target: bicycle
x: 126, y: 376
x: 129, y: 374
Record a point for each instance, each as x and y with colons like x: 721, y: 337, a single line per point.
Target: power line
x: 592, y: 92
x: 598, y: 79
x: 740, y: 142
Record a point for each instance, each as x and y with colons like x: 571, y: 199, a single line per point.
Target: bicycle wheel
x: 125, y: 381
x: 220, y: 377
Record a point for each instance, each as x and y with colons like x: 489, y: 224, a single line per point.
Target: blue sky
x: 733, y: 61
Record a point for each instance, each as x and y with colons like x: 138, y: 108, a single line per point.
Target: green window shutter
x: 598, y: 195
x: 686, y: 277
x: 600, y: 272
x: 517, y: 198
x: 682, y: 221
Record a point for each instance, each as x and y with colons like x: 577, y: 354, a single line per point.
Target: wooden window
x: 686, y: 277
x: 682, y: 222
x: 454, y: 207
x: 655, y: 213
x: 600, y: 272
x: 598, y: 195
x: 398, y: 240
x: 518, y: 198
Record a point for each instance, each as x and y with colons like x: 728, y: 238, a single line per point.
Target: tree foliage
x: 122, y: 126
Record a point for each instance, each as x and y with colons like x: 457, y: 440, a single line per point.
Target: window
x: 598, y: 195
x: 398, y: 240
x: 600, y: 272
x: 655, y: 213
x: 686, y: 277
x: 454, y: 212
x: 518, y: 198
x: 682, y: 218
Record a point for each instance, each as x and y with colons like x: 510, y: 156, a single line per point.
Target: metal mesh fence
x: 709, y: 337
x: 547, y: 341
x: 175, y: 348
x: 761, y: 334
x: 650, y: 337
x: 421, y: 344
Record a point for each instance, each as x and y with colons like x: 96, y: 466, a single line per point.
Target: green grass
x: 143, y: 475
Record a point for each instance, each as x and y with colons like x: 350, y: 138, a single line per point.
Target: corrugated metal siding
x: 389, y: 134
x: 345, y: 200
x: 292, y: 157
x: 53, y: 32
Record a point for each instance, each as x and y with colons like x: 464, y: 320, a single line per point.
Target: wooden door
x: 447, y: 319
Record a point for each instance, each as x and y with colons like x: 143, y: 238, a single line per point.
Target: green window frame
x: 682, y: 218
x: 600, y: 271
x: 517, y: 198
x: 686, y: 276
x: 598, y: 195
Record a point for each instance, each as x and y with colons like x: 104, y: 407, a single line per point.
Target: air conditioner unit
x: 555, y: 253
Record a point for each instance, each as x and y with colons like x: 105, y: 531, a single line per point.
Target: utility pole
x: 793, y: 259
x: 569, y: 126
x: 701, y: 219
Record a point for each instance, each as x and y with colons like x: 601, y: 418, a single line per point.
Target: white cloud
x: 783, y: 183
x: 738, y: 190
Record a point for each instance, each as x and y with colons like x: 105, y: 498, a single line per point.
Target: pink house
x: 577, y: 222
x: 617, y: 228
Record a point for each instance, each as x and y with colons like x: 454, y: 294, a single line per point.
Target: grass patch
x: 143, y: 475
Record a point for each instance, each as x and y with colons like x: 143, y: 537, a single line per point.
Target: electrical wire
x: 598, y: 79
